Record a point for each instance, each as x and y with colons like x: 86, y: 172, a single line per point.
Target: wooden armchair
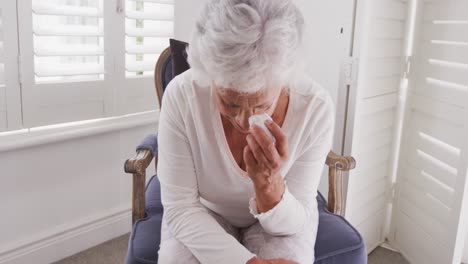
x: 337, y: 240
x: 337, y: 165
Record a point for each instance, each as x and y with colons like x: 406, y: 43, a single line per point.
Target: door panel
x: 431, y: 191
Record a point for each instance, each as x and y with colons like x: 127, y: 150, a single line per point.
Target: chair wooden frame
x: 158, y: 84
x: 337, y: 165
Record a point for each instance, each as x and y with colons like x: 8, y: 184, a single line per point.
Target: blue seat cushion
x: 337, y: 241
x: 153, y: 205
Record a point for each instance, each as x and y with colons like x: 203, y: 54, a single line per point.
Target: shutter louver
x: 148, y: 26
x: 68, y: 40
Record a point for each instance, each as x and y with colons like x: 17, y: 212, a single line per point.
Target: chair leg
x: 138, y: 197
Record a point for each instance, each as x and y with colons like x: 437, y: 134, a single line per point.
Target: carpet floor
x: 113, y: 252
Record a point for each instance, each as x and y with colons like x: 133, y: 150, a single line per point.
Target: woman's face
x: 238, y: 107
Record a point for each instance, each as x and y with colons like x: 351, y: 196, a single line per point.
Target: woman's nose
x: 243, y: 119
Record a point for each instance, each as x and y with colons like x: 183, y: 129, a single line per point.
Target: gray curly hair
x: 247, y: 45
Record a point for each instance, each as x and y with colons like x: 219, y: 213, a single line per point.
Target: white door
x: 430, y: 205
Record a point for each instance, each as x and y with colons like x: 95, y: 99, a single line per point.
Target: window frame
x: 51, y: 103
x: 57, y: 102
x: 12, y: 93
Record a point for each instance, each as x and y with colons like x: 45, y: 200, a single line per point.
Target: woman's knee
x: 288, y: 247
x: 298, y: 247
x: 172, y: 251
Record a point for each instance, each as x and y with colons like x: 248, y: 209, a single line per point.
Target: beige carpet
x: 113, y: 252
x: 382, y: 255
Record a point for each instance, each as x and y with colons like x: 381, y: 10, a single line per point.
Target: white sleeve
x: 298, y: 203
x: 186, y: 217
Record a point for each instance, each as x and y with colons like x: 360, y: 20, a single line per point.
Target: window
x: 148, y: 27
x: 86, y: 59
x: 68, y: 40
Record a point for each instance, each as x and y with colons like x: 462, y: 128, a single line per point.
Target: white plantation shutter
x: 148, y: 27
x: 381, y: 42
x: 428, y: 217
x: 68, y: 40
x: 77, y: 57
x: 63, y: 63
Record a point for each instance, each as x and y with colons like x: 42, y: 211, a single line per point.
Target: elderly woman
x: 231, y: 193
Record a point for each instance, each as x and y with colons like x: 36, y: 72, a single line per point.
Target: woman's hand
x: 280, y: 261
x: 264, y: 160
x: 256, y: 260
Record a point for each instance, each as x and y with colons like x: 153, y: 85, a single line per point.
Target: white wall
x: 326, y: 50
x: 326, y: 46
x: 60, y: 198
x: 186, y: 13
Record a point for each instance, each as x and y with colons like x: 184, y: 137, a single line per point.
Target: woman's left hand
x: 264, y: 160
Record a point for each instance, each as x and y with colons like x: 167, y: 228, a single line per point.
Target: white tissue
x: 259, y: 120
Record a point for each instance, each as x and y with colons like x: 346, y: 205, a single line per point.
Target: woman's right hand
x: 256, y: 260
x: 279, y: 261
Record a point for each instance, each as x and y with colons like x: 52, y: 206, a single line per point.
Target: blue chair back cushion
x: 337, y: 241
x: 176, y: 63
x: 166, y: 73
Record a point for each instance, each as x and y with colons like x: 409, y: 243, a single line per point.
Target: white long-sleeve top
x: 198, y: 171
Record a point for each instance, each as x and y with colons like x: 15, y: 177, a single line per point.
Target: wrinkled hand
x: 256, y: 260
x: 263, y: 160
x: 279, y: 261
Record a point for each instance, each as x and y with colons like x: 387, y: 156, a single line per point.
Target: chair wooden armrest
x: 337, y: 165
x: 137, y: 166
